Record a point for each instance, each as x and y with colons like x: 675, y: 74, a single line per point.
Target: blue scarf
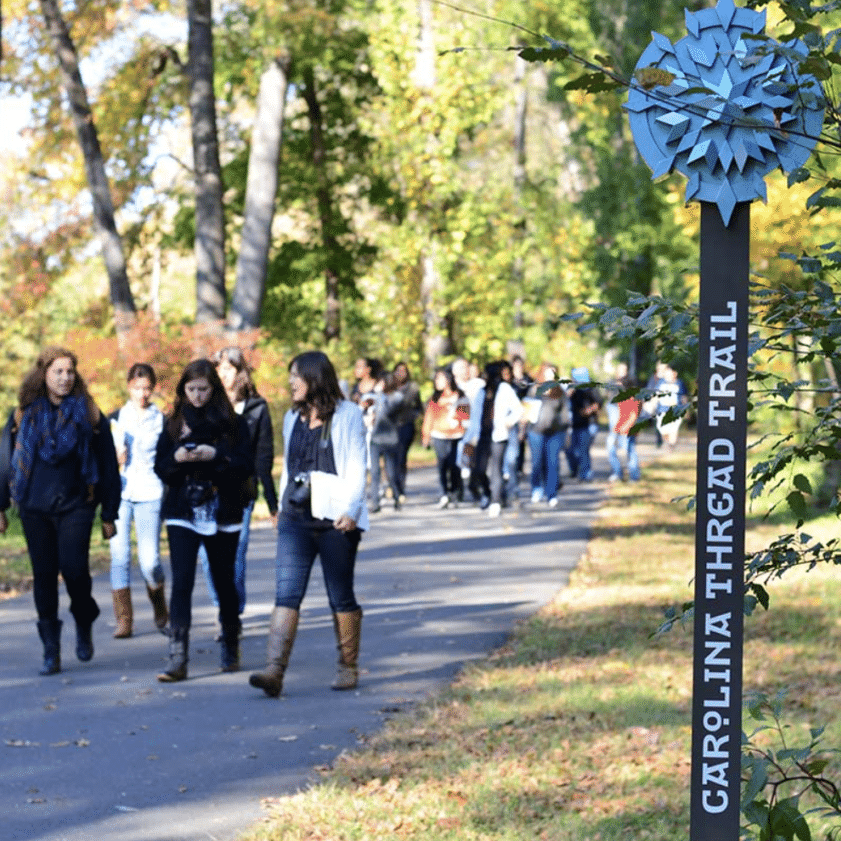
x: 52, y: 434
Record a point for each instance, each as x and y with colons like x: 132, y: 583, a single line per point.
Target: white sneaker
x: 553, y: 503
x: 494, y: 509
x: 536, y: 495
x: 444, y: 501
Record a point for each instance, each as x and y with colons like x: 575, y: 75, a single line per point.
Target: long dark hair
x: 218, y: 409
x: 493, y: 377
x: 323, y: 391
x: 451, y: 383
x: 34, y: 384
x: 243, y: 384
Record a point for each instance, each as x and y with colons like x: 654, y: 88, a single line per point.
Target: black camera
x: 299, y: 492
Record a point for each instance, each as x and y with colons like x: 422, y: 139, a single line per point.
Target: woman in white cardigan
x: 493, y: 412
x: 323, y: 434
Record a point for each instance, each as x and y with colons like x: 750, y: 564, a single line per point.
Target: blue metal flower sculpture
x: 724, y: 107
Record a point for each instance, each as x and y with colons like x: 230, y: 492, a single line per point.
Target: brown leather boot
x: 348, y: 627
x: 122, y: 613
x: 282, y: 632
x: 158, y: 598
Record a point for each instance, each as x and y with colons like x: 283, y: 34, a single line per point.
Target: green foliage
x: 784, y: 784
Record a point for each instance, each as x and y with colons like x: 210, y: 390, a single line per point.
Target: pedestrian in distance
x: 204, y: 458
x: 235, y: 374
x: 585, y: 402
x: 322, y: 514
x: 622, y: 416
x: 58, y: 464
x: 547, y: 430
x: 444, y: 422
x: 409, y: 411
x: 380, y: 408
x: 493, y: 412
x: 136, y: 428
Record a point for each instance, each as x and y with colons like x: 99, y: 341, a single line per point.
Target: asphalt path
x: 104, y: 751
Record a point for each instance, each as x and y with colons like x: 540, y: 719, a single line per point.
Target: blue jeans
x: 147, y: 527
x: 578, y: 453
x: 61, y: 543
x: 627, y: 444
x: 297, y: 547
x: 239, y: 562
x: 509, y: 463
x: 545, y: 450
x: 389, y: 454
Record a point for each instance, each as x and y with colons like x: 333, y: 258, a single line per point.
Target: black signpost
x: 720, y: 524
x: 729, y: 105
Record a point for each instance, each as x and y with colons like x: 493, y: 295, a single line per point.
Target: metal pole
x: 720, y: 525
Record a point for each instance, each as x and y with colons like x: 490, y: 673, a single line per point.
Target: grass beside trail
x: 580, y: 727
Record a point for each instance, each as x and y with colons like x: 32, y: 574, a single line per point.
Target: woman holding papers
x: 322, y: 513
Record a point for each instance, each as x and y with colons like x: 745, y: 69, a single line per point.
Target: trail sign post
x: 724, y: 106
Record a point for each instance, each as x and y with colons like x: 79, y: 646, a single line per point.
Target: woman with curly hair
x: 58, y: 464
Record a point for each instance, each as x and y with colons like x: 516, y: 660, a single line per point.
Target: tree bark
x: 260, y: 197
x: 113, y: 255
x: 521, y: 106
x: 210, y: 221
x: 332, y: 300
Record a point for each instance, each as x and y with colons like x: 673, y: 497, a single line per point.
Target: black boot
x: 230, y: 648
x: 50, y: 632
x: 84, y: 636
x: 179, y: 643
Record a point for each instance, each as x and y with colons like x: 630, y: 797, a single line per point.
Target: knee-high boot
x: 282, y: 632
x: 123, y: 612
x: 179, y: 644
x: 348, y: 628
x: 158, y: 599
x: 50, y: 632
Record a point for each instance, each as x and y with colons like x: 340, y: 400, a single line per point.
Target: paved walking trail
x: 104, y: 751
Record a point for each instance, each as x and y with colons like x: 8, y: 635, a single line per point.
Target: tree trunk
x: 436, y: 335
x: 521, y: 107
x: 260, y: 197
x: 113, y: 255
x: 210, y: 222
x: 332, y: 301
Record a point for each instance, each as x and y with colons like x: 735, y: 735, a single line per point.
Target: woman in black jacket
x: 204, y: 459
x: 58, y: 463
x: 235, y: 374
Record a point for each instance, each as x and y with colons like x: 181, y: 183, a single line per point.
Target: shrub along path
x: 104, y: 751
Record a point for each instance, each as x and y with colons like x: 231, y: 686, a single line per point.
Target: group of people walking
x: 196, y: 471
x: 480, y: 426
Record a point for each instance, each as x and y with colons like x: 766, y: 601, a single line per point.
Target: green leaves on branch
x: 777, y: 778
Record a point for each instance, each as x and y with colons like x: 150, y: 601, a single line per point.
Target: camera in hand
x: 299, y: 491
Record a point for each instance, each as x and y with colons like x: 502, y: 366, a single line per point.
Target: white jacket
x: 347, y: 435
x: 507, y: 410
